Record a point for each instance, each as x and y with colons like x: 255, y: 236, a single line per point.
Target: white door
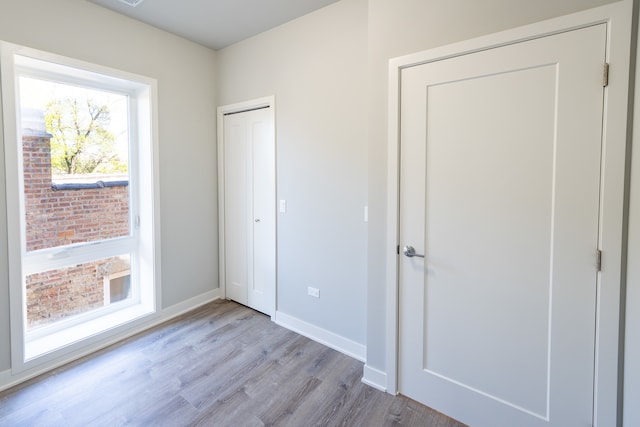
x: 250, y: 217
x: 500, y: 173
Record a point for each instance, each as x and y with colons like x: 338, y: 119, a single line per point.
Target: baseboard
x: 5, y: 378
x: 190, y: 304
x: 328, y: 338
x: 374, y: 378
x: 9, y: 379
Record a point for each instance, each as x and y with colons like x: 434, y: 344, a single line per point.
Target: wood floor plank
x: 323, y: 406
x: 364, y: 406
x: 219, y: 365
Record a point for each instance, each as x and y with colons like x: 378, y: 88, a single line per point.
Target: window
x: 80, y: 168
x: 117, y: 287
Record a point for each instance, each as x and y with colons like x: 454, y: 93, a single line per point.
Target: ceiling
x: 215, y: 23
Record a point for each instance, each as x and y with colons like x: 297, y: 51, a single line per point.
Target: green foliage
x: 81, y: 142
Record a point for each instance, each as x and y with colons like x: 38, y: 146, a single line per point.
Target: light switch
x: 283, y: 206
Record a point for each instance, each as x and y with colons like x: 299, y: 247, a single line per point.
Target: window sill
x: 41, y: 345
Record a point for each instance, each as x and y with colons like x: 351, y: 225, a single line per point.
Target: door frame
x: 253, y: 104
x: 614, y: 183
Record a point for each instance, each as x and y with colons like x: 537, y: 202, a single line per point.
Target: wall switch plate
x: 283, y: 206
x: 314, y: 292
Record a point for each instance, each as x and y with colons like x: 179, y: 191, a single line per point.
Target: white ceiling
x: 216, y: 23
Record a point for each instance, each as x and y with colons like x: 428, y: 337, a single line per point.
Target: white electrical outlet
x: 314, y: 292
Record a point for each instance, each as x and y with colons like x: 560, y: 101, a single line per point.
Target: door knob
x: 410, y: 252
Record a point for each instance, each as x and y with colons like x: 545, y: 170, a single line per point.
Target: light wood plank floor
x: 220, y: 365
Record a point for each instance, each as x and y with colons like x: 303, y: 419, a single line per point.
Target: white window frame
x: 68, y: 338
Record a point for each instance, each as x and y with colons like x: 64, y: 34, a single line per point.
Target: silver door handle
x: 410, y: 252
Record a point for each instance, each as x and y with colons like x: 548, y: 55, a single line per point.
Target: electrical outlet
x: 314, y: 292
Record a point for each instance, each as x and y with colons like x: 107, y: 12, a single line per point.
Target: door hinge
x: 598, y: 260
x: 398, y: 249
x: 605, y: 75
x: 137, y: 221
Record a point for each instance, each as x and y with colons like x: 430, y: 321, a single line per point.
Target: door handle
x: 410, y: 252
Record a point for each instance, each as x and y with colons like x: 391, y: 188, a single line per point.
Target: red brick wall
x: 61, y: 217
x: 56, y: 294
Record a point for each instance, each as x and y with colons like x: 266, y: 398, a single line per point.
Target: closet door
x: 249, y: 213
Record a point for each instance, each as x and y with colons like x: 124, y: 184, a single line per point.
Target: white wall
x: 316, y: 68
x: 184, y: 70
x: 399, y: 28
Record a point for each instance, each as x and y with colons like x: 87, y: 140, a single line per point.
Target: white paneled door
x: 500, y: 191
x: 249, y: 209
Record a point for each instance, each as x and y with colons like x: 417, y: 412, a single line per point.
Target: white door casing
x: 601, y: 302
x: 247, y: 204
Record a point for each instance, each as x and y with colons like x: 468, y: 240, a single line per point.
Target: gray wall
x: 184, y: 71
x: 316, y: 68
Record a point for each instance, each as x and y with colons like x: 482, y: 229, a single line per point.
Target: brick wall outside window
x: 62, y: 217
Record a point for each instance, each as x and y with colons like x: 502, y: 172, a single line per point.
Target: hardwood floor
x: 220, y: 365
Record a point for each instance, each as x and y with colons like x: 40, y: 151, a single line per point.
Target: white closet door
x: 250, y: 217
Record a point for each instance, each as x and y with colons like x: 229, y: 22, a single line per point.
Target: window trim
x: 17, y: 60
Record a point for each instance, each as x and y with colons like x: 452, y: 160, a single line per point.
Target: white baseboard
x: 5, y: 378
x: 328, y: 338
x: 374, y: 378
x: 190, y: 304
x: 9, y: 379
